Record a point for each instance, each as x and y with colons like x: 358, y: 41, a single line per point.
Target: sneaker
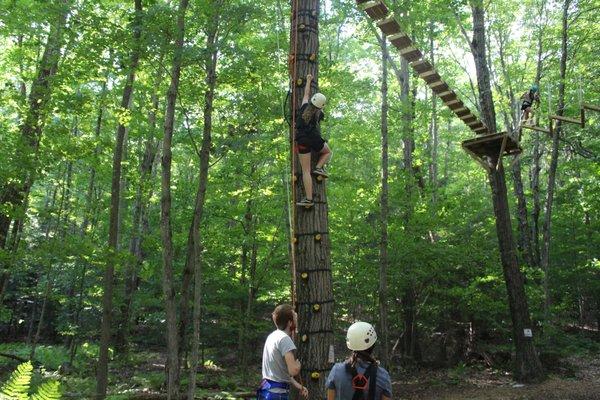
x: 321, y: 171
x: 305, y: 203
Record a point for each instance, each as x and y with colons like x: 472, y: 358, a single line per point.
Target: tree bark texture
x: 165, y: 202
x: 115, y: 202
x: 546, y: 228
x: 527, y: 364
x: 312, y: 249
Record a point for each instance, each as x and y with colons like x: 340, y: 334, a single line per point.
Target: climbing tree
x: 312, y: 270
x: 527, y: 364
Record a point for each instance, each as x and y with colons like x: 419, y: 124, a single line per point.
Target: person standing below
x: 528, y: 98
x: 360, y: 377
x: 279, y: 364
x: 308, y: 139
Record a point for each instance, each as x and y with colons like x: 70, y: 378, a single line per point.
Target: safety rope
x: 292, y: 145
x: 293, y: 245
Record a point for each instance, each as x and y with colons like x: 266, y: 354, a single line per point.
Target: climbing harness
x: 362, y: 382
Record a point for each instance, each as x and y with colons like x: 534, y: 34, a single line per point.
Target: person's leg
x: 324, y: 156
x: 526, y: 114
x: 306, y: 177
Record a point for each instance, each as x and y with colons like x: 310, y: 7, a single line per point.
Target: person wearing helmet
x: 308, y: 139
x: 279, y: 365
x: 528, y: 98
x: 360, y: 376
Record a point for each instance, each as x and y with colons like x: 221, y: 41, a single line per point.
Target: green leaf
x: 17, y: 385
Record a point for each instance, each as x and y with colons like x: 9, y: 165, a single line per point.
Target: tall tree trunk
x: 14, y: 195
x: 527, y: 364
x: 410, y: 336
x: 115, y: 201
x: 546, y: 228
x: 537, y: 155
x: 383, y: 207
x: 193, y: 260
x: 165, y: 202
x: 140, y: 210
x: 313, y: 253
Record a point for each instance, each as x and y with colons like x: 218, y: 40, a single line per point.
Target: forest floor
x: 141, y: 376
x: 580, y: 381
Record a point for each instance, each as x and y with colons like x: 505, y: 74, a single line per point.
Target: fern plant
x: 18, y: 385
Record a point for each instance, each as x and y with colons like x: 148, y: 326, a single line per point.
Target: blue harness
x: 264, y: 393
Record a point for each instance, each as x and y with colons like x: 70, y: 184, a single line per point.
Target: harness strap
x: 361, y: 381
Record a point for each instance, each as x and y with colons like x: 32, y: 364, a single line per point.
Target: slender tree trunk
x: 313, y: 253
x: 194, y: 241
x: 140, y: 210
x: 546, y: 229
x: 537, y: 155
x: 115, y: 201
x: 14, y: 195
x: 166, y: 230
x: 383, y: 244
x: 38, y: 331
x: 527, y: 365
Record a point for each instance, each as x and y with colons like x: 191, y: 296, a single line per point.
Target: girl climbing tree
x: 312, y: 289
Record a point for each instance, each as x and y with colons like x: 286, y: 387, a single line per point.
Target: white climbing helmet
x: 318, y: 100
x: 360, y: 336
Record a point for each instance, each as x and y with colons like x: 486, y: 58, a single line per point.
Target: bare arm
x: 383, y: 397
x: 331, y: 394
x: 309, y: 79
x: 303, y: 390
x: 293, y: 365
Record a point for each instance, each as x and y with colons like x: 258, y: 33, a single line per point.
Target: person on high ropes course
x: 528, y: 98
x: 308, y: 138
x: 279, y: 365
x: 360, y: 376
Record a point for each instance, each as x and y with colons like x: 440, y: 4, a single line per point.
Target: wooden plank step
x: 389, y: 26
x: 455, y: 104
x: 447, y: 97
x: 422, y: 67
x: 411, y: 54
x: 431, y: 78
x: 400, y: 40
x: 535, y: 128
x: 375, y: 9
x: 591, y: 107
x: 439, y: 88
x: 462, y: 112
x: 566, y: 119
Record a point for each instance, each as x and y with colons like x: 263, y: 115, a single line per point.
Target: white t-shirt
x: 278, y: 344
